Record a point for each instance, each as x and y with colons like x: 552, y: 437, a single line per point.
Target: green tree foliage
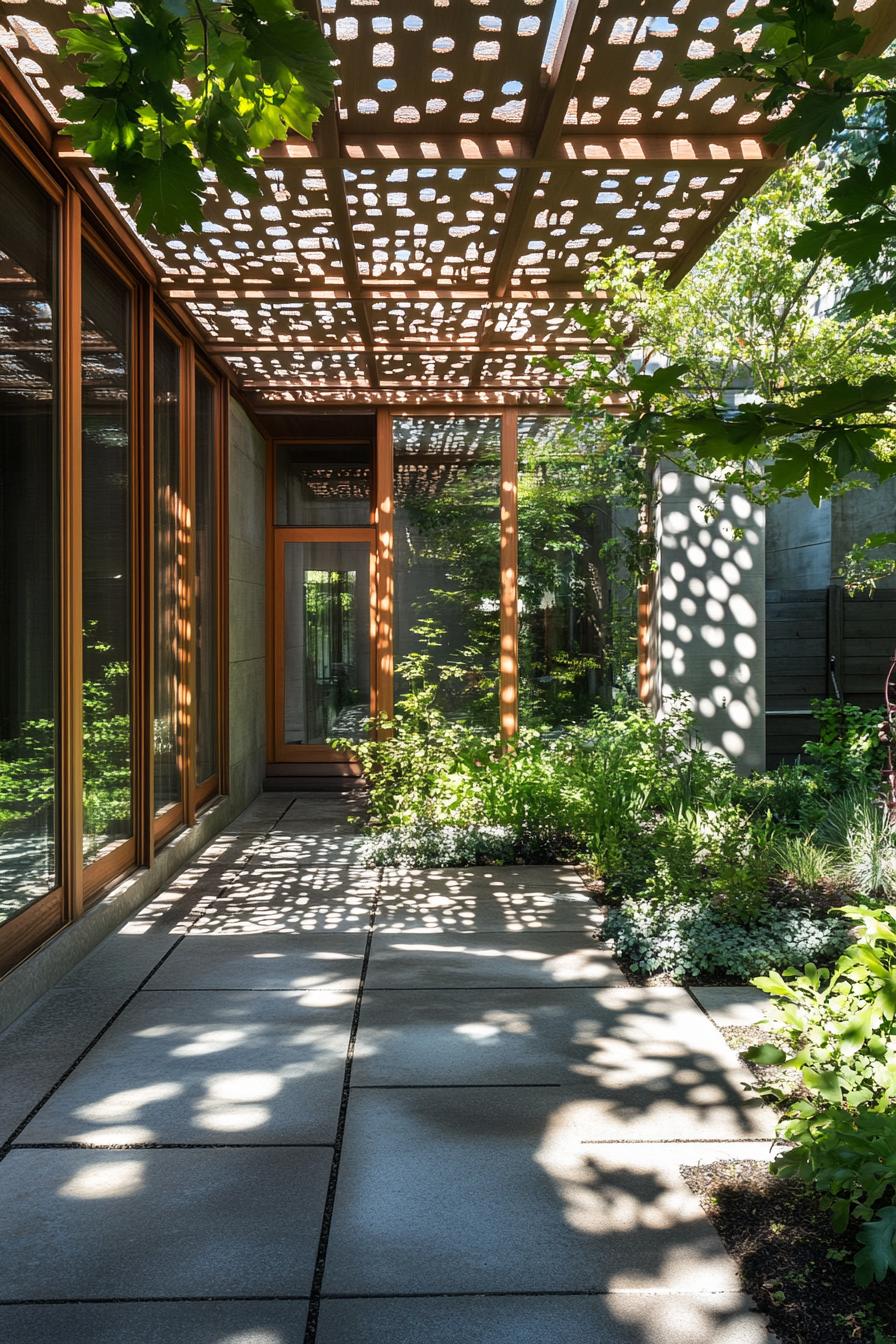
x: 175, y: 87
x: 697, y: 374
x: 804, y: 61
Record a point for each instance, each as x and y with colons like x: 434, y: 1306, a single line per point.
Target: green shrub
x: 840, y: 1026
x: 427, y: 846
x: 849, y: 750
x: 698, y: 941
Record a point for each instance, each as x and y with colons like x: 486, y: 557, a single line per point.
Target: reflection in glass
x: 28, y: 553
x: 324, y: 484
x: 326, y: 640
x: 206, y: 544
x: 564, y: 605
x: 106, y: 473
x: 166, y: 479
x: 447, y: 560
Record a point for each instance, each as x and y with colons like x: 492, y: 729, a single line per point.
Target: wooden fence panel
x: 804, y: 632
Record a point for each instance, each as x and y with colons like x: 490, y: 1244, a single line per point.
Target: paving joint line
x: 330, y: 1201
x: 9, y: 1143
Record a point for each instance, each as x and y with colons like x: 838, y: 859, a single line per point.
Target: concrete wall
x: 857, y: 515
x: 247, y: 606
x: 710, y: 614
x: 798, y: 544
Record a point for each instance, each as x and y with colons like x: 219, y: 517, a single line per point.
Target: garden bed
x: 798, y: 1271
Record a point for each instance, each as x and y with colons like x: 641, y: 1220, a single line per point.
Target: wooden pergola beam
x: 260, y: 291
x: 577, y: 24
x: 619, y: 148
x: 568, y: 344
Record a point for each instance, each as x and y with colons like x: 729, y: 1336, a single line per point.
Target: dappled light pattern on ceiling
x: 479, y: 159
x: 432, y: 453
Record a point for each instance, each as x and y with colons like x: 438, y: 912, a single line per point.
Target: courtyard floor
x: 298, y: 1100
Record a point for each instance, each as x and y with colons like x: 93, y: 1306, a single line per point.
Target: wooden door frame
x: 279, y: 751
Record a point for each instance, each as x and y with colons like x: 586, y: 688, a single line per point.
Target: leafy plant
x: 428, y: 846
x: 698, y: 941
x: 750, y: 324
x: 805, y: 62
x: 171, y: 89
x: 840, y: 1026
x: 849, y: 750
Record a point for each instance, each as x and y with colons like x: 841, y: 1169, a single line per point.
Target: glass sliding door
x: 170, y: 525
x: 564, y: 600
x: 447, y: 560
x: 106, y: 557
x: 206, y: 582
x: 29, y: 577
x: 324, y: 655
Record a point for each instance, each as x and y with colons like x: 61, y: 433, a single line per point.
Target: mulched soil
x: 797, y: 1270
x: 786, y: 1081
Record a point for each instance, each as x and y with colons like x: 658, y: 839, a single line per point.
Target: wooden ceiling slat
x: 432, y: 239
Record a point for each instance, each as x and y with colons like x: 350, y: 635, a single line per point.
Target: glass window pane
x: 106, y: 505
x: 206, y: 550
x: 324, y: 484
x: 326, y: 645
x: 564, y: 603
x: 168, y: 560
x: 28, y: 551
x: 447, y: 559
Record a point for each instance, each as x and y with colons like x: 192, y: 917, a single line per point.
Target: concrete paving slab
x: 487, y: 1190
x: 45, y: 1041
x: 615, y: 1318
x: 540, y: 958
x: 320, y: 961
x: 198, y: 1222
x: 286, y: 899
x: 232, y: 1066
x: 308, y: 848
x: 484, y: 900
x: 732, y: 1005
x: 638, y: 1064
x: 155, y: 1323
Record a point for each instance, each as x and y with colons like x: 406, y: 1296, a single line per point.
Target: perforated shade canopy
x: 479, y: 158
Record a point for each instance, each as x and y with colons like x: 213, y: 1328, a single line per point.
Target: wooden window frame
x: 24, y: 931
x: 205, y: 791
x: 102, y: 872
x: 176, y: 815
x: 508, y: 563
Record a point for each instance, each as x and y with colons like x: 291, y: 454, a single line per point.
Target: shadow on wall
x: 711, y: 613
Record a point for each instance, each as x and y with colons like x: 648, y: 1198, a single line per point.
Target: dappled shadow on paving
x: 508, y: 1136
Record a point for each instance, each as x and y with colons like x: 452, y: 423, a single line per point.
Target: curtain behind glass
x: 29, y: 596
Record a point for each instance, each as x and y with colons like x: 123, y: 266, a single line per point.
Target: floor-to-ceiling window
x: 447, y: 569
x: 106, y: 417
x: 170, y: 530
x: 564, y: 601
x: 29, y: 570
x: 112, y: 580
x: 205, y: 534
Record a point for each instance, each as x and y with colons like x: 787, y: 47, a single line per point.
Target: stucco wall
x: 247, y: 606
x: 710, y: 614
